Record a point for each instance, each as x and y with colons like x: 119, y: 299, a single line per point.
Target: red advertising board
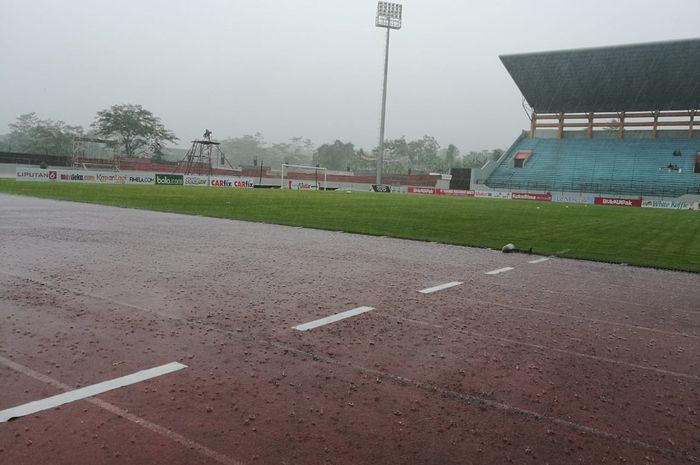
x: 423, y: 190
x: 618, y: 202
x: 535, y: 197
x: 458, y: 193
x: 438, y: 191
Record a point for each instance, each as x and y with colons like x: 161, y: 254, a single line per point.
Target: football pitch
x: 635, y: 236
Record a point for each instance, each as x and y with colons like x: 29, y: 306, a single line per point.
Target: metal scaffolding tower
x: 199, y: 157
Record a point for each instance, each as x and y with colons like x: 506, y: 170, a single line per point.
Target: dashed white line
x: 332, y: 318
x: 142, y: 422
x: 539, y: 260
x: 501, y: 270
x: 88, y: 391
x: 440, y: 287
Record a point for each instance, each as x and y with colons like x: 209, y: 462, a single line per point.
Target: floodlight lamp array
x: 389, y: 15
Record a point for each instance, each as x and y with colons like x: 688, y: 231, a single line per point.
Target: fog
x: 303, y: 67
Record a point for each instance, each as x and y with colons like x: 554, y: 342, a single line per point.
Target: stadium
x: 147, y: 336
x: 611, y: 125
x: 613, y: 120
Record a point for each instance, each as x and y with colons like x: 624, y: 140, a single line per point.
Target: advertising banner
x: 492, y: 195
x: 423, y: 190
x: 141, y: 178
x: 670, y: 204
x: 241, y: 183
x: 35, y: 174
x: 169, y: 179
x: 457, y: 192
x: 77, y: 176
x: 111, y: 178
x: 381, y: 188
x: 571, y: 198
x: 195, y: 180
x: 80, y: 176
x: 618, y: 202
x: 535, y: 197
x: 302, y: 185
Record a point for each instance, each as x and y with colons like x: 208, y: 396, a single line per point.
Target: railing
x: 628, y: 189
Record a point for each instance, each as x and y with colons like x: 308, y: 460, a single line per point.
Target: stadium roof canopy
x: 654, y: 76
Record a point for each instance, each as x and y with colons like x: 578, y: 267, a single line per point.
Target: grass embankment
x: 649, y: 237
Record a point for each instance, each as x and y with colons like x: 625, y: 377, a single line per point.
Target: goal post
x: 303, y: 177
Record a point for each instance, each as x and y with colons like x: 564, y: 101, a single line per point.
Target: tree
x: 478, y: 159
x: 396, y: 149
x: 474, y: 159
x: 363, y: 162
x: 335, y: 156
x: 421, y: 153
x: 451, y: 155
x: 253, y: 150
x: 29, y: 134
x: 137, y: 129
x: 424, y: 151
x: 302, y: 150
x: 245, y: 150
x: 298, y: 151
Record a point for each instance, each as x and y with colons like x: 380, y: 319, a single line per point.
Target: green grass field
x: 648, y: 237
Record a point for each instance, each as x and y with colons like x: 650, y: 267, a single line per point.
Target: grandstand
x: 613, y: 120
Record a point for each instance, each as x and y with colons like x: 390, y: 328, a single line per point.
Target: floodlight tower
x: 389, y: 17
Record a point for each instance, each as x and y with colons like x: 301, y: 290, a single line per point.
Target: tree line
x: 132, y: 131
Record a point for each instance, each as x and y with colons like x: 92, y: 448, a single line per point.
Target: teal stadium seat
x: 631, y: 166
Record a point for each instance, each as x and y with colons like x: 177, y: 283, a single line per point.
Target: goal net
x: 300, y: 177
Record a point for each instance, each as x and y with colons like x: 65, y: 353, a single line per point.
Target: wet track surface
x: 556, y: 362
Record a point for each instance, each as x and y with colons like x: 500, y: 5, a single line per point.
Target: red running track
x: 557, y: 362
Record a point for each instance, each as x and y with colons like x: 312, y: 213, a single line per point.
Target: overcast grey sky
x: 308, y: 68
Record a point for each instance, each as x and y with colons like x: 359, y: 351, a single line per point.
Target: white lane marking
x: 298, y: 352
x: 440, y: 287
x: 539, y: 260
x: 87, y: 391
x: 332, y: 318
x: 156, y: 428
x: 501, y: 270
